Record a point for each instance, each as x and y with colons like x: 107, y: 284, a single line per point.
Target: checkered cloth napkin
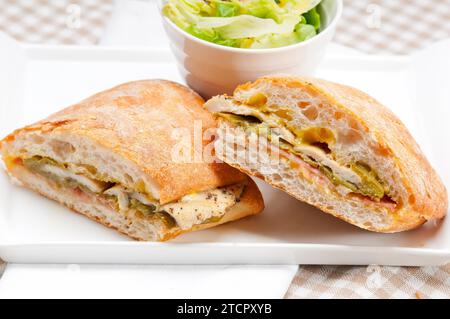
x: 372, y: 26
x: 370, y: 282
x: 55, y: 21
x: 393, y: 26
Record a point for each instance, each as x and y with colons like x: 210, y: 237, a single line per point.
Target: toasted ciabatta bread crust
x: 375, y: 133
x: 125, y: 134
x: 135, y: 122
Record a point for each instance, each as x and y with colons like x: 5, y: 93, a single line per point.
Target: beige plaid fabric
x: 371, y: 282
x: 393, y: 26
x: 55, y: 21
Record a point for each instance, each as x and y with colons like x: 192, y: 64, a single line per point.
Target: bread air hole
x: 323, y: 146
x: 311, y: 113
x: 61, y: 148
x: 317, y: 136
x: 39, y: 140
x: 303, y: 104
x: 257, y: 100
x: 284, y: 114
x: 242, y: 120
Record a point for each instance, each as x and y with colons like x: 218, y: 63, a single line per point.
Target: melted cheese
x: 190, y: 210
x: 91, y: 184
x: 344, y: 173
x: 197, y: 208
x: 122, y: 197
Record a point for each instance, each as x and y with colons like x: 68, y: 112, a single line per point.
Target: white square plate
x: 37, y: 81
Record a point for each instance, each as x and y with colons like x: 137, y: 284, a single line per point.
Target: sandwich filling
x: 190, y: 210
x: 313, y: 145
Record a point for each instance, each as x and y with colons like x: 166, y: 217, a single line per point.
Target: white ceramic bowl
x: 212, y: 69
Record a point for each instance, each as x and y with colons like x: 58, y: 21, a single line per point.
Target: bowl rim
x: 330, y: 27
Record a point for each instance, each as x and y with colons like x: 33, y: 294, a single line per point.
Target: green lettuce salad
x: 254, y: 24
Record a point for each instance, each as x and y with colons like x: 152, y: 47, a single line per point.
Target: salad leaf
x: 185, y: 13
x: 226, y: 9
x: 247, y: 23
x: 302, y: 32
x: 305, y: 32
x: 204, y: 34
x: 265, y: 9
x: 247, y: 26
x: 212, y: 36
x: 275, y: 40
x: 299, y: 6
x: 313, y: 18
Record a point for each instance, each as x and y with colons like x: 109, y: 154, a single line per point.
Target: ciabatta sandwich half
x: 336, y: 148
x: 111, y: 158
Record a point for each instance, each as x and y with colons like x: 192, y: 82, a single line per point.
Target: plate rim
x: 113, y: 53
